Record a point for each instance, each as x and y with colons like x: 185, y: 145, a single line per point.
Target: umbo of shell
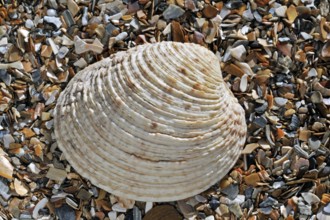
x: 154, y: 123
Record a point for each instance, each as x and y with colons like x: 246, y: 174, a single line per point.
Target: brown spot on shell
x: 169, y: 89
x: 204, y: 71
x: 183, y: 71
x: 130, y: 84
x: 213, y: 114
x: 167, y: 99
x: 197, y: 92
x: 225, y: 121
x: 196, y: 60
x: 187, y: 106
x: 197, y: 86
x: 174, y: 45
x: 153, y: 125
x: 171, y: 80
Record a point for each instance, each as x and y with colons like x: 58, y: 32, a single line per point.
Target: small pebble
x: 310, y: 198
x: 25, y: 216
x: 326, y: 209
x: 200, y: 22
x: 210, y: 12
x: 81, y: 63
x: 261, y: 108
x: 284, y: 39
x: 121, y: 36
x: 312, y: 72
x: 200, y: 198
x: 281, y: 11
x: 83, y: 194
x: 51, y: 99
x: 3, y: 186
x: 112, y: 215
x: 135, y: 24
x: 118, y: 208
x: 54, y: 21
x: 244, y: 83
x: 214, y: 203
x: 234, y: 4
x: 187, y: 210
x: 231, y: 191
x: 260, y: 122
x: 172, y: 12
x: 73, y: 7
x: 314, y: 144
x: 65, y: 212
x: 148, y: 206
x: 56, y: 174
x: 306, y: 36
x: 238, y: 52
x: 137, y: 213
x: 279, y: 184
x: 267, y: 210
x: 324, y: 172
x: 51, y: 12
x: 40, y: 205
x: 236, y: 210
x: 248, y: 15
x: 294, y: 124
x: 280, y: 101
x: 222, y: 210
x: 317, y: 97
x: 33, y: 168
x: 252, y: 179
x: 84, y: 18
x: 211, y: 217
x: 239, y: 199
x: 62, y: 52
x: 5, y: 77
x: 304, y: 209
x: 29, y: 24
x: 7, y: 140
x: 161, y: 25
x: 49, y: 124
x: 268, y: 202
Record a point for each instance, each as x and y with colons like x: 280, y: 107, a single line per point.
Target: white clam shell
x: 154, y: 123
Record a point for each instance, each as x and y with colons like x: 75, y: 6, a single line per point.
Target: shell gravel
x: 286, y: 55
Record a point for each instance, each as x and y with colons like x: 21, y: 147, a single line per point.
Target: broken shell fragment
x: 17, y: 65
x: 154, y: 123
x: 81, y: 46
x: 6, y: 169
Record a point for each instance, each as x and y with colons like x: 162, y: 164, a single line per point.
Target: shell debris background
x: 281, y: 80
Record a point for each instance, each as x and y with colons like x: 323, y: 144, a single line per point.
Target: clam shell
x: 154, y: 123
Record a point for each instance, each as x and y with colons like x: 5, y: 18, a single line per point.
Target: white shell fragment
x: 41, y: 204
x: 17, y: 65
x: 154, y: 123
x: 81, y: 46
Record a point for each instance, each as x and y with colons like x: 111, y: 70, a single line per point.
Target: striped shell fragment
x: 154, y: 123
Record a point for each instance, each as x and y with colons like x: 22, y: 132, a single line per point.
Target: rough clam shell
x: 154, y: 123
